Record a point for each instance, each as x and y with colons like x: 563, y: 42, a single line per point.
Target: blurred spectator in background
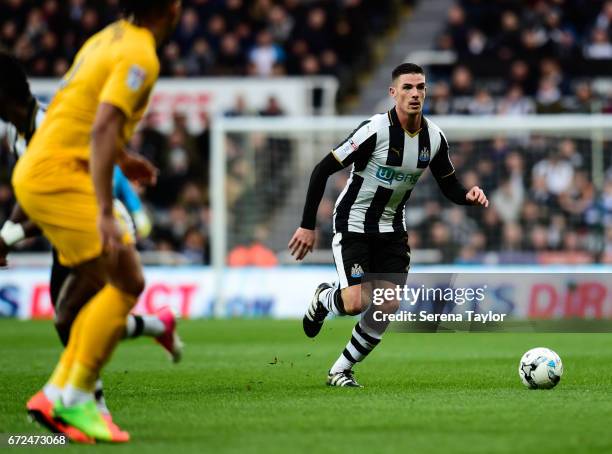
x: 512, y: 59
x: 508, y: 200
x: 583, y: 101
x: 265, y: 55
x: 253, y: 254
x: 482, y: 103
x: 516, y: 103
x: 462, y: 83
x: 548, y: 97
x: 558, y: 173
x: 599, y: 47
x: 439, y: 100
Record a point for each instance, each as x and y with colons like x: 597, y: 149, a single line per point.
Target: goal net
x: 548, y: 178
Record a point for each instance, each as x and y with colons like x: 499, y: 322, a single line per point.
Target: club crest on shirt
x: 136, y: 77
x: 424, y: 154
x: 356, y: 270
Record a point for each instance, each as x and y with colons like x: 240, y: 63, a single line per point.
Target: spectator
x: 508, y: 39
x: 548, y: 97
x: 578, y: 198
x: 272, y: 108
x: 230, y: 59
x: 508, y: 200
x: 512, y: 238
x: 482, y: 104
x: 583, y: 101
x: 516, y: 103
x: 439, y: 99
x: 194, y: 247
x: 462, y: 82
x: 200, y: 59
x: 253, y: 254
x: 558, y: 173
x: 461, y: 227
x: 442, y: 241
x: 457, y: 29
x: 280, y: 24
x: 240, y: 108
x: 569, y: 152
x: 522, y: 75
x: 265, y: 55
x: 599, y: 48
x: 538, y: 238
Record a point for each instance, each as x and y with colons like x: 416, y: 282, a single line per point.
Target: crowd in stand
x: 518, y: 57
x: 214, y: 37
x: 544, y: 205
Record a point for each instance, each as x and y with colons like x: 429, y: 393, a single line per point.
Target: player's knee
x: 135, y: 284
x: 351, y: 299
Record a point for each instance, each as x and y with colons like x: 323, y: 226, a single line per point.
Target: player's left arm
x: 444, y: 172
x: 125, y: 193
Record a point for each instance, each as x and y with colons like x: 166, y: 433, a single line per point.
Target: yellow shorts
x: 68, y: 220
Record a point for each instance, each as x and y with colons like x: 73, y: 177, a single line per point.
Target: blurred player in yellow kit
x: 64, y: 184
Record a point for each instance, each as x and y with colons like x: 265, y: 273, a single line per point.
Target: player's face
x: 409, y: 92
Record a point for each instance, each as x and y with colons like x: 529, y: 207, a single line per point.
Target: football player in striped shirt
x: 388, y: 153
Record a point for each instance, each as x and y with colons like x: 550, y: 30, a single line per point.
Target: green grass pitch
x: 258, y: 386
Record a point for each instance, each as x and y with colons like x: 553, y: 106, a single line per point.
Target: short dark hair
x: 406, y: 68
x: 143, y: 8
x: 14, y: 84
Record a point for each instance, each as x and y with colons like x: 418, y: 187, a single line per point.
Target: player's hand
x: 110, y: 234
x: 138, y: 168
x: 4, y: 250
x: 477, y: 197
x: 302, y: 243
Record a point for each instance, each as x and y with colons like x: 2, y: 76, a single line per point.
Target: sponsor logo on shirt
x: 389, y: 174
x: 136, y: 77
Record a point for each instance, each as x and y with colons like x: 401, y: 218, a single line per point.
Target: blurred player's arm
x: 125, y: 90
x: 106, y: 149
x: 17, y: 228
x: 443, y: 171
x: 137, y: 168
x: 359, y: 145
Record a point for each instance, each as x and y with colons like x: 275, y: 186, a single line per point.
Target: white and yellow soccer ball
x: 540, y: 368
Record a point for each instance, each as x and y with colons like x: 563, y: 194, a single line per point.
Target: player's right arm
x: 126, y: 89
x: 358, y: 144
x: 17, y: 228
x: 106, y: 143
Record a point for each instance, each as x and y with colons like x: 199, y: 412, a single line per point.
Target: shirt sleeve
x: 360, y: 143
x: 130, y: 82
x: 441, y: 165
x: 443, y: 171
x: 316, y: 189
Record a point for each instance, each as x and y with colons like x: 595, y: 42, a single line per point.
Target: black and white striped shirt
x: 387, y: 162
x: 16, y: 142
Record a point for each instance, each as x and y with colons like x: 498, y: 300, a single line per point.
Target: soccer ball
x: 540, y: 368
